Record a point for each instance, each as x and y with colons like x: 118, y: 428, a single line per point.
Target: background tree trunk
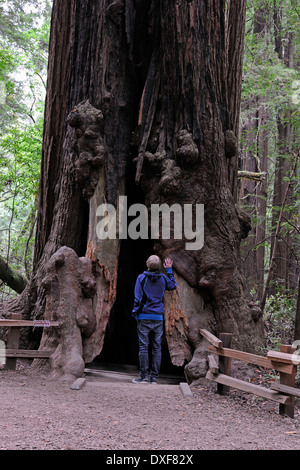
x: 141, y: 101
x: 254, y: 157
x: 285, y: 270
x: 11, y: 277
x: 253, y: 197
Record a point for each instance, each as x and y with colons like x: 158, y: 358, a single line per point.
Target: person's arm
x: 171, y: 283
x: 138, y: 292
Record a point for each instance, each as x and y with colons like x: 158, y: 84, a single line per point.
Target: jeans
x: 149, y: 331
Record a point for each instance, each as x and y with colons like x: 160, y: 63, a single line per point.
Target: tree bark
x: 139, y: 103
x: 234, y: 34
x: 193, y: 110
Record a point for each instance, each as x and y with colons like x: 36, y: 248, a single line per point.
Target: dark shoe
x: 140, y: 381
x: 153, y: 381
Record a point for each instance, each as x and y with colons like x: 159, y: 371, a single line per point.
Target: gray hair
x: 153, y: 263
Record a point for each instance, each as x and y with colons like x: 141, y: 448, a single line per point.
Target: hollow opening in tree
x: 120, y: 342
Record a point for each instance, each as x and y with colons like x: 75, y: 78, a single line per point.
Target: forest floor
x: 38, y: 413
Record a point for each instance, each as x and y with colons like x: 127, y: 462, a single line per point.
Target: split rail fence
x: 285, y: 362
x: 12, y: 351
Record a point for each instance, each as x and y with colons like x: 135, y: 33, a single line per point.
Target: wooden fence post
x: 13, y: 342
x: 224, y: 362
x: 288, y: 379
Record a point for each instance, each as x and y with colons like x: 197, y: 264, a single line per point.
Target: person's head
x: 153, y: 263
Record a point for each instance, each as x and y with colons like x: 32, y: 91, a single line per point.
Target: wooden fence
x: 285, y: 362
x: 12, y: 351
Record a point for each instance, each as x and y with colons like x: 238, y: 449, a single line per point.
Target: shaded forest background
x: 269, y: 169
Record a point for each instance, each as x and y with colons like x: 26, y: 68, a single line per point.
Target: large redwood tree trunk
x: 143, y: 100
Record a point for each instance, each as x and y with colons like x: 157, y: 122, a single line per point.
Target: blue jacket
x: 149, y: 294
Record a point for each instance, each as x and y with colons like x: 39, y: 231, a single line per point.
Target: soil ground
x: 110, y: 414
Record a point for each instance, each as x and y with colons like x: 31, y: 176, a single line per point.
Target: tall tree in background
x: 143, y: 100
x: 284, y: 271
x: 269, y: 144
x: 254, y: 143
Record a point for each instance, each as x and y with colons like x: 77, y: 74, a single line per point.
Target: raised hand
x: 168, y: 263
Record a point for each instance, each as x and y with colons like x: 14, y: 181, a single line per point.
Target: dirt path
x: 40, y: 414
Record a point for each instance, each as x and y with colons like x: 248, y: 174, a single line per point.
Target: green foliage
x: 270, y: 117
x: 24, y: 33
x: 20, y: 152
x: 20, y: 163
x: 272, y: 82
x: 266, y: 74
x: 279, y: 318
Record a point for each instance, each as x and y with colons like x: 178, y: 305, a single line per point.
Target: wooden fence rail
x: 22, y: 323
x: 12, y: 351
x: 285, y: 362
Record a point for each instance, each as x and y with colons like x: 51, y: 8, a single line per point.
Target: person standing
x: 148, y: 310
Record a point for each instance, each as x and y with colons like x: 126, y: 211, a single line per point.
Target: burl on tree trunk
x: 141, y: 96
x: 70, y: 287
